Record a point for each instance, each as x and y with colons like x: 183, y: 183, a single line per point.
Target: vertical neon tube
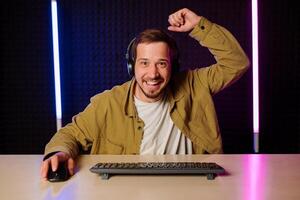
x: 255, y: 76
x: 56, y: 63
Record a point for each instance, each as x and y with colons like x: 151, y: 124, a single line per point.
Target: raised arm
x: 231, y: 60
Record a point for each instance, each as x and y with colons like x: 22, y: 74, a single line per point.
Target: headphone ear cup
x: 130, y: 69
x: 130, y: 58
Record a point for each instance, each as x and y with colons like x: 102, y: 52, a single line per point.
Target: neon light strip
x: 255, y: 74
x: 56, y: 63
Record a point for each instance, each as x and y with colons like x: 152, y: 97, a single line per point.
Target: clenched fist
x: 183, y: 20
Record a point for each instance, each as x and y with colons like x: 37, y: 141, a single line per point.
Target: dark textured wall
x: 27, y: 104
x: 280, y: 77
x: 94, y: 36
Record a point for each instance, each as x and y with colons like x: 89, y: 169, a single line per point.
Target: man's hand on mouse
x: 53, y: 163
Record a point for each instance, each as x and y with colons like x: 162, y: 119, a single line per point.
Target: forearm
x: 231, y: 60
x: 81, y: 131
x: 64, y: 140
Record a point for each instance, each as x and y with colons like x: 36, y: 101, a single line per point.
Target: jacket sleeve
x: 232, y: 61
x: 82, y: 130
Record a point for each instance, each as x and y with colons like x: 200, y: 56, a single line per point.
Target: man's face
x: 152, y: 70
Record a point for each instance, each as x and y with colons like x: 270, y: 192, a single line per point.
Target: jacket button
x: 202, y: 27
x: 139, y: 128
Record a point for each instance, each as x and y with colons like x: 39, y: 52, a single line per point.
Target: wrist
x: 196, y: 21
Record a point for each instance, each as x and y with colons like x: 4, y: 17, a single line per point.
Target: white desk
x: 250, y: 177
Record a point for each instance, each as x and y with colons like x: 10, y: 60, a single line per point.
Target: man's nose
x: 153, y: 71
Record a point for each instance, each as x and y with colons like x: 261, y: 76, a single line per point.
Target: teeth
x: 152, y: 82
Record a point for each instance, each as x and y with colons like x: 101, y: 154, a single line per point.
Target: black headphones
x: 131, y: 59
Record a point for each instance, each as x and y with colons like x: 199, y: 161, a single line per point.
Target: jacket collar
x: 128, y: 101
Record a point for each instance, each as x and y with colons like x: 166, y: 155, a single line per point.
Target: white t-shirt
x: 161, y: 136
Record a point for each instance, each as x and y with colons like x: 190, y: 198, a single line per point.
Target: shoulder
x: 115, y: 94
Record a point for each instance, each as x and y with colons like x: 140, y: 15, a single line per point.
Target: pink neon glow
x: 254, y: 179
x: 255, y: 67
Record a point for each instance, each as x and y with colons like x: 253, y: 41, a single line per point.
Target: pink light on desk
x: 255, y: 81
x: 254, y: 179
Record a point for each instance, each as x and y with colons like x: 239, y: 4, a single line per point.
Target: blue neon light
x: 56, y: 62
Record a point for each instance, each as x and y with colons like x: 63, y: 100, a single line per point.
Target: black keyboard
x: 209, y: 169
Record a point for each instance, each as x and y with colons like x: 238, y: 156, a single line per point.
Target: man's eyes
x: 162, y: 64
x: 158, y: 64
x: 143, y: 63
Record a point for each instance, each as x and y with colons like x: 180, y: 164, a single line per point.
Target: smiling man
x: 161, y: 110
x: 152, y: 69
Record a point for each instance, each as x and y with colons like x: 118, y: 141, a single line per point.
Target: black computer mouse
x: 61, y: 174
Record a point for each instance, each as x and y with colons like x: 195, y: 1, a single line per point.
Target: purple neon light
x: 255, y: 79
x: 255, y: 67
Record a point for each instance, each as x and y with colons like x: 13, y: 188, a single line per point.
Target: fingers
x: 176, y: 19
x: 71, y: 166
x: 175, y: 28
x: 183, y: 20
x: 53, y: 162
x: 44, y: 169
x: 46, y: 164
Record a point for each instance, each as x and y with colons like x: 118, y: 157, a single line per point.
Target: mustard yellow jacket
x: 110, y: 124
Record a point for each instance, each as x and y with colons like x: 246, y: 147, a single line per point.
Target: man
x: 161, y: 110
